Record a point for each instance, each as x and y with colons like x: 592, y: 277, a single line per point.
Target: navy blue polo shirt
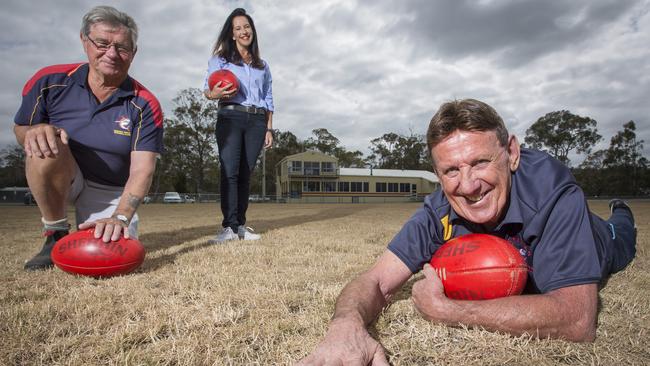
x: 547, y: 220
x: 102, y: 135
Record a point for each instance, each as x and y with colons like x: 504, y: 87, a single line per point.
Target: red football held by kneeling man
x: 226, y: 77
x: 480, y: 267
x: 80, y: 253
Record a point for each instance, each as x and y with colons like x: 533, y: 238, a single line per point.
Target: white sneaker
x: 225, y: 235
x: 246, y: 233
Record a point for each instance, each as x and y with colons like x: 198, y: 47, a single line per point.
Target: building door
x: 295, y: 189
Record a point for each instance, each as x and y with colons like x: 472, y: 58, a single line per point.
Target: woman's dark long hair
x: 225, y: 46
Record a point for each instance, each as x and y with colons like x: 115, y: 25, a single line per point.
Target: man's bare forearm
x: 361, y: 300
x: 542, y: 316
x: 20, y: 131
x: 137, y: 186
x: 134, y: 192
x: 567, y: 313
x: 366, y: 296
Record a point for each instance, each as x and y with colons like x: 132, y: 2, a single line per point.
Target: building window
x: 328, y: 167
x: 392, y: 187
x: 344, y: 186
x: 295, y: 167
x: 311, y: 186
x: 366, y: 186
x: 312, y: 168
x: 405, y: 187
x: 329, y: 186
x: 380, y: 187
x: 356, y: 186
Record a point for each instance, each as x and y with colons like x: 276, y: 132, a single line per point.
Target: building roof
x: 424, y: 174
x: 14, y: 189
x: 309, y: 154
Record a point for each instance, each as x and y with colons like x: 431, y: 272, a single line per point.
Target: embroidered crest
x: 123, y: 122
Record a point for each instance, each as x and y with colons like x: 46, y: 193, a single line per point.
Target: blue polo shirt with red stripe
x: 547, y: 220
x: 102, y: 135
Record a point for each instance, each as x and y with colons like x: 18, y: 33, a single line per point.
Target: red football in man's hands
x: 480, y: 267
x: 226, y: 77
x: 80, y: 253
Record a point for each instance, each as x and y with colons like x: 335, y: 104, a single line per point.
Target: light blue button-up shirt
x: 254, y: 84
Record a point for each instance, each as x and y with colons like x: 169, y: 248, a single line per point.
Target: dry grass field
x: 267, y: 302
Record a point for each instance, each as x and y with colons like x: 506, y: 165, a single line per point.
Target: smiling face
x: 109, y: 51
x: 475, y: 174
x: 242, y: 32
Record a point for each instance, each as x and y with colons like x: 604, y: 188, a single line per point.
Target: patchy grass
x: 267, y: 302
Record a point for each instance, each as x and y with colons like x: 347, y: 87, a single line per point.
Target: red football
x: 226, y: 77
x: 480, y: 267
x: 80, y: 253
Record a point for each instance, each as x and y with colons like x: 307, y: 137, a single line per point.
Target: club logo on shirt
x: 123, y: 122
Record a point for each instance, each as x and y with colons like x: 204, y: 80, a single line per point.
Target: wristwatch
x: 122, y: 218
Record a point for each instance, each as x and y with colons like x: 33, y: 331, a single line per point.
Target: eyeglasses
x: 104, y: 47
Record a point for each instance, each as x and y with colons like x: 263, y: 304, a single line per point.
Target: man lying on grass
x: 490, y: 185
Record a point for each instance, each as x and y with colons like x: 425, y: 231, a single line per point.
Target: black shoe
x: 43, y: 260
x: 618, y: 203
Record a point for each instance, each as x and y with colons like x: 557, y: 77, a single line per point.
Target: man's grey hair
x: 112, y: 16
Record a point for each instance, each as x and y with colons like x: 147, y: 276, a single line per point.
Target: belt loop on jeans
x: 243, y: 108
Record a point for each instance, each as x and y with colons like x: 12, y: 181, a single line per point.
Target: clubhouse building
x: 314, y: 177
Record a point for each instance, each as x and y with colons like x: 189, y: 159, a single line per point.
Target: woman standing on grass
x: 244, y: 121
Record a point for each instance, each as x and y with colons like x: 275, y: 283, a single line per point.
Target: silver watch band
x: 122, y: 218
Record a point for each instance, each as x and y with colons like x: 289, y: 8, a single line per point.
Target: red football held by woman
x: 80, y: 253
x: 226, y: 77
x: 480, y: 267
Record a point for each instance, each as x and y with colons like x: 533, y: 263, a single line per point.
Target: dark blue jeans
x: 240, y: 137
x: 621, y: 225
x: 617, y: 239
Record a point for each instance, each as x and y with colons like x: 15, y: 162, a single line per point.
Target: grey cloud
x: 365, y: 68
x: 512, y: 32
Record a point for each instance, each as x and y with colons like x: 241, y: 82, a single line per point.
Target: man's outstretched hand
x: 347, y: 343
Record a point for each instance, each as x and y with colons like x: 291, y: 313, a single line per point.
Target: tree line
x: 619, y: 170
x: 190, y: 160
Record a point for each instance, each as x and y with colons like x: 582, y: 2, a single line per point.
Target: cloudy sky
x: 365, y: 68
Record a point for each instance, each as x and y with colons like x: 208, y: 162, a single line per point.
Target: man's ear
x: 83, y: 44
x: 514, y: 153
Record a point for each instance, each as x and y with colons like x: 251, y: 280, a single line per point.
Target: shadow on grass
x: 154, y: 242
x: 404, y: 293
